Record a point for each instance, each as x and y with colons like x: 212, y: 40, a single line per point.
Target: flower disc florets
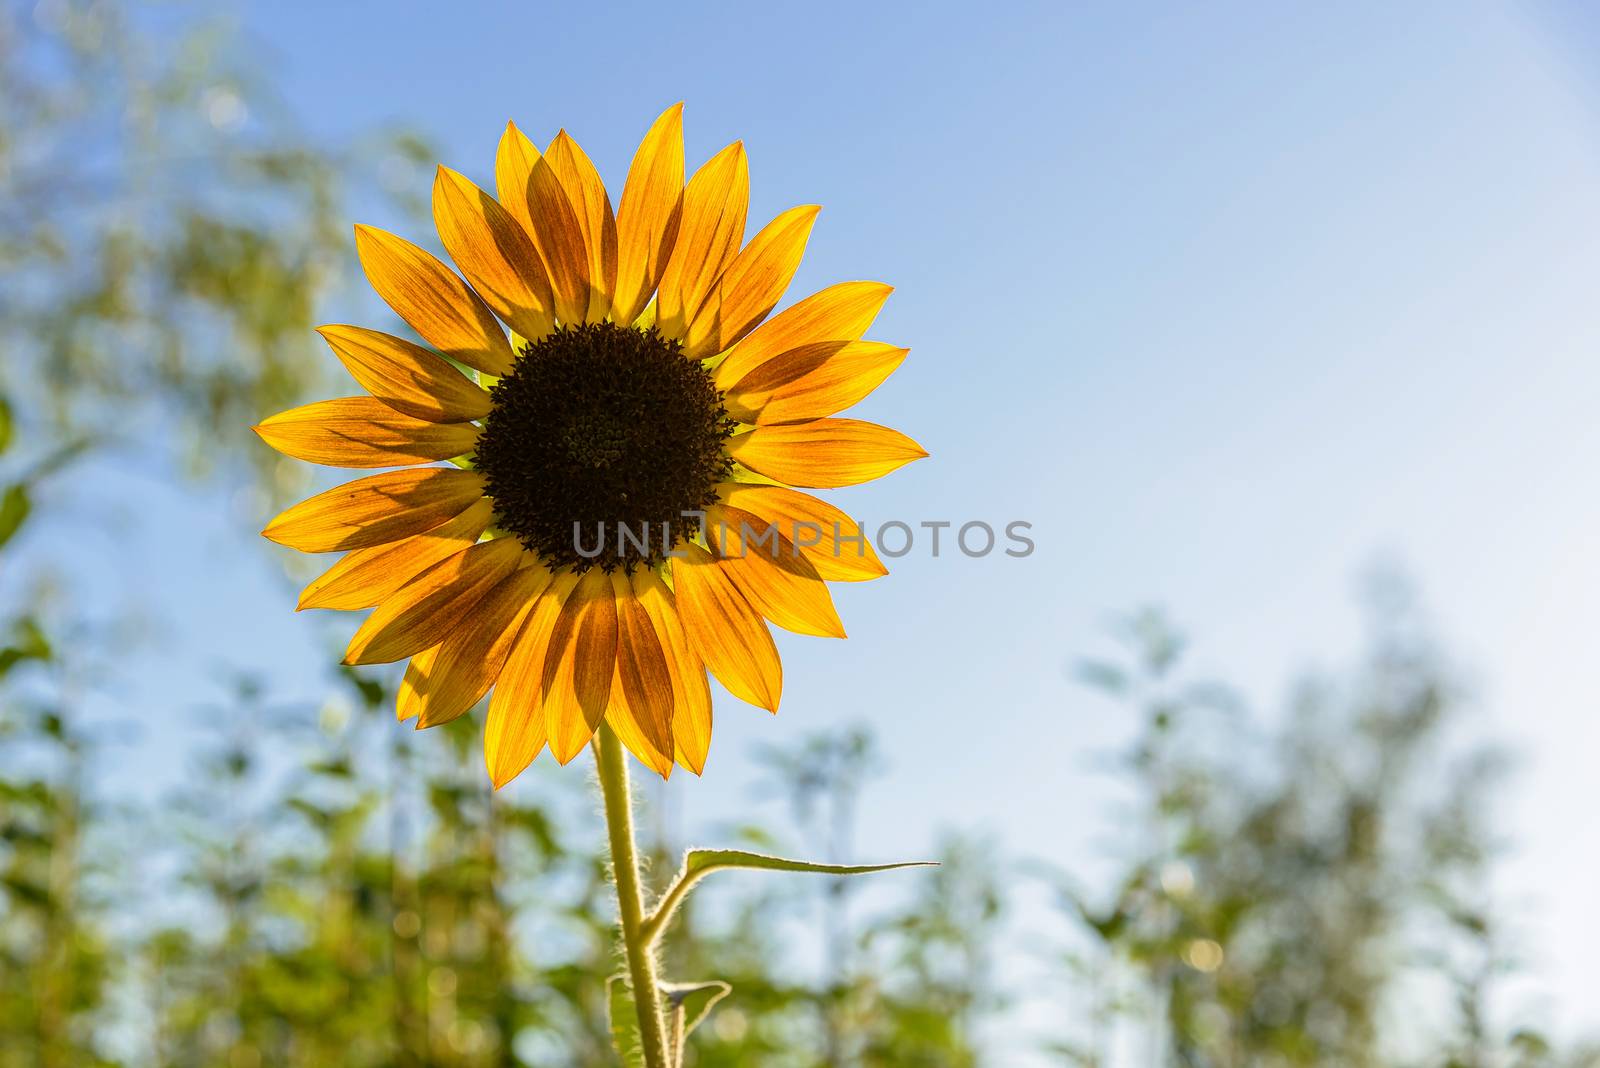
x: 610, y: 428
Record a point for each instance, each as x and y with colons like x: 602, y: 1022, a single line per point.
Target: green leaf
x: 704, y: 861
x: 694, y: 1000
x: 687, y: 1003
x: 698, y: 863
x: 14, y: 508
x: 624, y: 1021
x: 8, y: 425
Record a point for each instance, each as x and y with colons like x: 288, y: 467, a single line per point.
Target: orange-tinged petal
x: 368, y: 577
x: 558, y: 234
x: 429, y: 608
x: 623, y: 719
x: 495, y: 254
x: 512, y: 737
x: 468, y: 662
x: 579, y: 665
x: 691, y: 695
x: 812, y: 381
x: 753, y: 283
x: 774, y: 576
x: 643, y: 670
x: 515, y: 731
x: 513, y: 166
x: 434, y: 300
x: 418, y: 669
x: 376, y: 509
x: 729, y: 635
x: 363, y: 432
x: 825, y: 452
x: 406, y: 377
x: 824, y: 535
x: 709, y: 235
x: 587, y: 194
x: 648, y: 216
x: 839, y: 313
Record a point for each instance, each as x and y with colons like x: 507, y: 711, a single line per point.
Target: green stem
x: 613, y: 767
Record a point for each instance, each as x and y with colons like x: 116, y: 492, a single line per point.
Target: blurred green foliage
x: 325, y: 891
x: 165, y: 231
x: 1283, y: 897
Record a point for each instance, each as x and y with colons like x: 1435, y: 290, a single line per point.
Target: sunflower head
x: 618, y: 517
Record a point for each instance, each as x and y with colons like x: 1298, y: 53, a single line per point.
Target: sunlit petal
x: 824, y: 453
x: 841, y: 312
x: 469, y: 660
x: 580, y: 664
x: 363, y: 432
x: 648, y: 216
x: 406, y: 377
x: 376, y: 509
x: 812, y: 381
x: 729, y: 635
x: 515, y: 731
x: 587, y: 194
x: 367, y: 577
x: 753, y: 283
x: 691, y: 694
x: 824, y: 535
x: 494, y: 252
x: 643, y: 670
x: 434, y: 300
x: 777, y: 580
x: 429, y: 608
x: 712, y: 227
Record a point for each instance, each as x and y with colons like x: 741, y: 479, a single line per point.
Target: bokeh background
x: 1276, y: 322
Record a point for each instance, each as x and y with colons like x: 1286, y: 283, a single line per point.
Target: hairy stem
x: 656, y: 923
x: 613, y: 767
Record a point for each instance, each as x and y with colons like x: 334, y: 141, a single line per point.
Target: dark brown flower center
x: 601, y: 438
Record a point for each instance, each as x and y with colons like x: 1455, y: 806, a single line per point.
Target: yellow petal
x: 839, y: 313
x: 406, y: 377
x: 774, y: 576
x: 812, y: 381
x: 513, y: 166
x: 368, y: 577
x: 426, y: 610
x: 753, y: 283
x: 825, y: 452
x: 469, y: 660
x: 418, y: 670
x: 434, y: 300
x: 515, y: 731
x: 691, y: 695
x: 712, y: 227
x: 363, y: 432
x: 558, y: 235
x: 827, y: 537
x: 579, y: 665
x: 729, y: 635
x: 643, y: 671
x: 495, y: 254
x: 587, y: 194
x: 647, y: 217
x: 376, y: 509
x: 625, y: 721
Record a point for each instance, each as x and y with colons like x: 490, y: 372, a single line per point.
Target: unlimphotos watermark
x: 894, y: 538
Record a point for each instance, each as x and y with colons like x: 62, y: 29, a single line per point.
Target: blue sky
x: 1227, y: 301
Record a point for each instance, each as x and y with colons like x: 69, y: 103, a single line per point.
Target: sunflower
x: 588, y: 515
